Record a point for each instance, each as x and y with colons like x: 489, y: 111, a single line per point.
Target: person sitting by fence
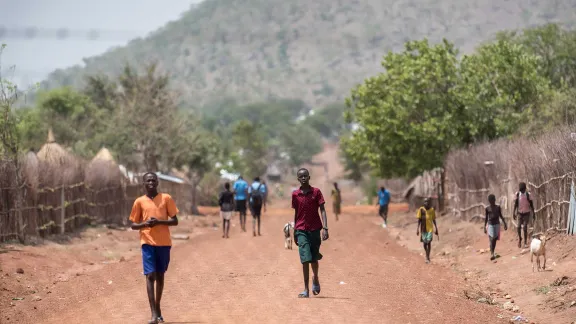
x: 152, y: 214
x: 523, y: 207
x: 426, y: 224
x: 492, y: 224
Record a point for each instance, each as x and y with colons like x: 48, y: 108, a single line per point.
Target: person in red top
x: 152, y: 214
x: 307, y: 226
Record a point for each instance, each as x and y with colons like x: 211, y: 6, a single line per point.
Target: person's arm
x: 172, y: 214
x: 436, y: 226
x: 503, y: 220
x: 515, y: 207
x: 419, y: 215
x: 485, y: 219
x: 136, y: 218
x: 325, y: 235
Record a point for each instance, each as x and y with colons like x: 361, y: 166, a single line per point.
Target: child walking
x: 306, y: 202
x: 226, y: 202
x: 426, y: 224
x: 151, y: 215
x: 492, y: 224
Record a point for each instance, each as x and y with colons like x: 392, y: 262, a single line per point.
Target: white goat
x: 538, y: 248
x: 287, y: 236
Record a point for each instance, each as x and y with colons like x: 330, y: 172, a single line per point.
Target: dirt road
x: 365, y: 276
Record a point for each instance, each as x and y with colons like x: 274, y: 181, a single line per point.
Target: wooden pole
x: 62, y: 212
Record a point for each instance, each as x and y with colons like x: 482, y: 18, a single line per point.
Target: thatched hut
x: 58, y: 165
x: 427, y: 185
x: 103, y: 171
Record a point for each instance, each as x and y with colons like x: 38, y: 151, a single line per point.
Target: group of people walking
x: 238, y: 199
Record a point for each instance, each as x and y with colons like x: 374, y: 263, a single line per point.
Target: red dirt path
x: 246, y: 279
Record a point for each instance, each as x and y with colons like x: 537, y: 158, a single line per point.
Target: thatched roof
x: 104, y: 155
x: 424, y: 185
x: 53, y: 153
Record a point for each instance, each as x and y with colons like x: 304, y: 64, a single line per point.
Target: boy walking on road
x: 383, y: 201
x: 492, y: 224
x: 306, y: 202
x: 426, y: 224
x: 152, y: 214
x: 240, y: 192
x: 336, y: 200
x: 226, y: 202
x: 256, y: 192
x: 523, y: 207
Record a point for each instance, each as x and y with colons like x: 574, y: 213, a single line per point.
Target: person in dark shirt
x: 226, y: 202
x: 492, y: 224
x: 309, y: 229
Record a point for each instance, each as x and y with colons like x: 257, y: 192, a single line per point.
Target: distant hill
x: 254, y: 50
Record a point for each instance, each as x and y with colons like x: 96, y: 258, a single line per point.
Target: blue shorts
x: 155, y: 258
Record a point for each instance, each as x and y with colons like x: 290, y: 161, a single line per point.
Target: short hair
x: 491, y: 198
x: 150, y: 173
x: 227, y: 185
x: 522, y: 185
x: 303, y: 169
x: 257, y: 179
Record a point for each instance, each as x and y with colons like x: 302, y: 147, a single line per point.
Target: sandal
x: 160, y: 319
x: 315, y: 287
x: 153, y: 321
x: 304, y: 294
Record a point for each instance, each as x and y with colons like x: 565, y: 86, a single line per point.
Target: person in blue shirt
x: 256, y: 193
x: 383, y: 201
x: 240, y: 196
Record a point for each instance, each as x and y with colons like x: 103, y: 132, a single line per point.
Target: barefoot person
x: 383, y: 201
x: 523, y: 207
x: 492, y: 224
x: 240, y: 193
x: 336, y: 200
x: 426, y: 224
x: 151, y: 215
x: 226, y: 202
x: 306, y: 202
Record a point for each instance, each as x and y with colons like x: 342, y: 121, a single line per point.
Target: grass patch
x: 542, y: 290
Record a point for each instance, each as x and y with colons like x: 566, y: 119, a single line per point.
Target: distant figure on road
x: 256, y: 191
x: 226, y: 202
x: 523, y: 206
x: 240, y: 195
x: 336, y: 200
x: 426, y: 224
x: 492, y: 224
x: 383, y: 202
x: 265, y: 194
x: 151, y: 215
x: 307, y: 225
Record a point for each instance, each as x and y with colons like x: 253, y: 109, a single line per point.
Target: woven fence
x: 55, y: 199
x: 547, y: 164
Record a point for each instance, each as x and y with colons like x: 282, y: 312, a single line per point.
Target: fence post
x: 62, y: 212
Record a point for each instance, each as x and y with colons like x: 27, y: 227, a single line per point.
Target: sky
x: 118, y: 20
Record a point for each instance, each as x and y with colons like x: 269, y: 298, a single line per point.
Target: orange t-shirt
x: 162, y: 207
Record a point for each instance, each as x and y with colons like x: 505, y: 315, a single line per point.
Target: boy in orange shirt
x: 151, y: 215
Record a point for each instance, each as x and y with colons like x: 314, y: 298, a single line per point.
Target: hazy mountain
x: 253, y: 50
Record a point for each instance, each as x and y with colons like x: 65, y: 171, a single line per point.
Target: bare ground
x: 366, y: 277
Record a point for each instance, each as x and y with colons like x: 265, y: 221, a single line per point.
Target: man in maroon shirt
x: 307, y: 225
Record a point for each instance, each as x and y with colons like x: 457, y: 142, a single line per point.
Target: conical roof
x: 104, y: 155
x: 52, y: 153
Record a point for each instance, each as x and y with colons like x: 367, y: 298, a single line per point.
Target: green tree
x: 251, y: 148
x: 300, y: 143
x: 328, y: 121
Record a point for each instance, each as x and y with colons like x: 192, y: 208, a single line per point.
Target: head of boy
x: 150, y: 181
x: 336, y: 185
x: 522, y: 187
x: 427, y: 203
x: 227, y: 186
x: 303, y: 176
x: 257, y: 179
x: 492, y: 199
x: 382, y: 188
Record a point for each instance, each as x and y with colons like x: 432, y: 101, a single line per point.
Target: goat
x: 538, y: 248
x: 287, y: 236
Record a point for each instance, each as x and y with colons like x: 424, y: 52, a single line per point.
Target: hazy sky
x: 120, y: 21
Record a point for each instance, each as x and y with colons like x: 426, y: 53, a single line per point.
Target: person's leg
x: 519, y: 229
x: 306, y: 273
x: 150, y: 278
x: 492, y: 246
x: 149, y: 265
x: 163, y: 260
x: 223, y: 215
x: 428, y: 249
x: 159, y: 290
x: 526, y: 221
x: 385, y: 215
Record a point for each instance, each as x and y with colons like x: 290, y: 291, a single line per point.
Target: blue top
x: 254, y: 186
x: 383, y: 197
x: 240, y: 187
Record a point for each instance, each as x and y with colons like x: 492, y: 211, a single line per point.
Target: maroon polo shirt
x: 306, y: 206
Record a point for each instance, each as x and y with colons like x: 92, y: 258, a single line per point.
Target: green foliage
x: 251, y: 148
x: 427, y: 102
x: 328, y: 121
x: 288, y: 49
x: 9, y: 143
x: 300, y: 143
